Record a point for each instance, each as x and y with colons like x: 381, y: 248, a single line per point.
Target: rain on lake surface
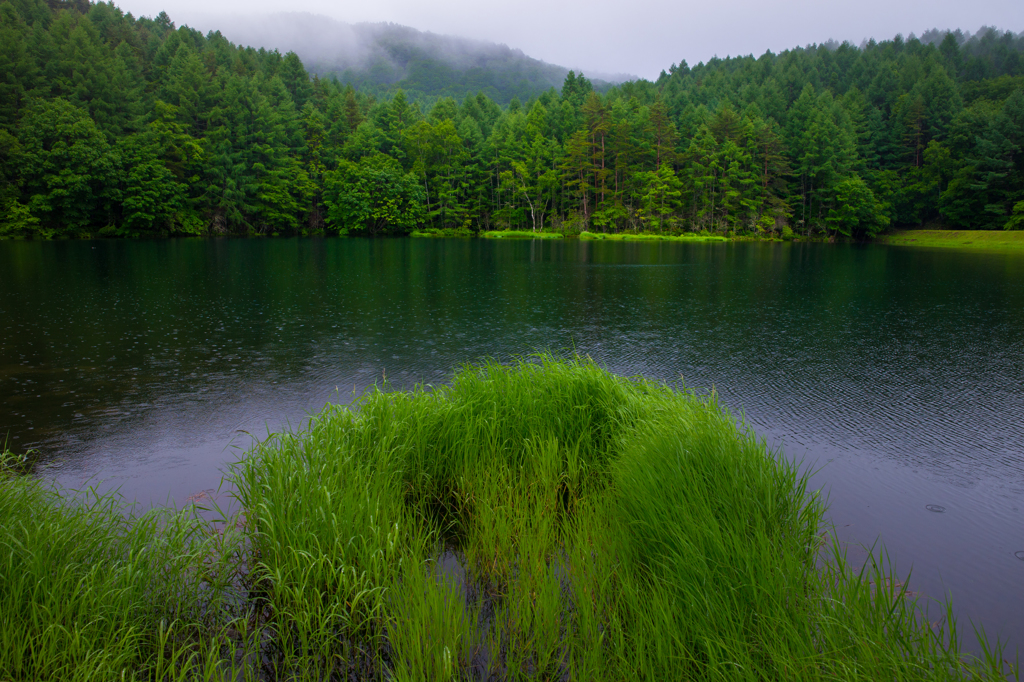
x: 897, y: 374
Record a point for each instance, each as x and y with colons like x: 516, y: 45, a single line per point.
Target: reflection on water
x: 898, y: 372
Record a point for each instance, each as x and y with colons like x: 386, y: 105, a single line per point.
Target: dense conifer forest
x: 113, y: 125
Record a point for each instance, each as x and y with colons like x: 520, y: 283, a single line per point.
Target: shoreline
x: 688, y: 237
x: 1001, y: 241
x: 965, y: 240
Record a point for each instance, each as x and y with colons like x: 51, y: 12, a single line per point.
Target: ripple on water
x: 911, y: 358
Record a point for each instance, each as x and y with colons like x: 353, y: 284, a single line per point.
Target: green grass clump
x: 974, y: 240
x: 442, y: 232
x: 541, y: 520
x: 89, y: 591
x: 548, y: 520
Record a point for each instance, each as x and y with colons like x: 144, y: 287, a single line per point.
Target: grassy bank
x: 647, y: 237
x: 443, y: 232
x: 979, y: 240
x: 486, y: 234
x: 545, y: 520
x: 520, y: 234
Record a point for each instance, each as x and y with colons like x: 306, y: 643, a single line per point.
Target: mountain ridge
x: 382, y: 56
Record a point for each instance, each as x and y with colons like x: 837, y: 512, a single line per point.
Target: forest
x: 117, y: 126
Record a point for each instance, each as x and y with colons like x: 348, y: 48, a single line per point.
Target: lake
x: 896, y: 373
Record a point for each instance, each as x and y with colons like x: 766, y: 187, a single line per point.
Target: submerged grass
x: 544, y: 520
x: 975, y: 240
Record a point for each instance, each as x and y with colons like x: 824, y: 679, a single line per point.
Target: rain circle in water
x: 1019, y: 555
x: 935, y: 508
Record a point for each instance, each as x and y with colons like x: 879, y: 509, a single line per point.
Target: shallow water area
x: 896, y: 373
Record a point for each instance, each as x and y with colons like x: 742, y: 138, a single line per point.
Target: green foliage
x: 1016, y: 221
x: 857, y: 212
x: 120, y: 126
x: 17, y: 221
x: 374, y: 196
x: 662, y: 198
x: 151, y: 196
x: 91, y: 591
x: 66, y: 168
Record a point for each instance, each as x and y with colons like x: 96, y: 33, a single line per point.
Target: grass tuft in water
x: 544, y: 520
x: 89, y: 591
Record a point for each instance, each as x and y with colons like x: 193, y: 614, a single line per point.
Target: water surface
x: 898, y: 373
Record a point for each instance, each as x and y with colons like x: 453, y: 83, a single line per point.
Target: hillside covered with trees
x: 380, y: 58
x: 123, y: 126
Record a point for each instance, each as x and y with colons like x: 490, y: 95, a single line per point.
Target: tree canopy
x: 124, y: 126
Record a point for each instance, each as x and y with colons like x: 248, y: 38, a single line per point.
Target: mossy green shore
x: 972, y: 240
x: 539, y: 520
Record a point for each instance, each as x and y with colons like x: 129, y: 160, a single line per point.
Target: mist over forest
x: 113, y: 125
x: 378, y: 57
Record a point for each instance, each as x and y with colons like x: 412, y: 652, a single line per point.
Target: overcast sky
x: 639, y: 37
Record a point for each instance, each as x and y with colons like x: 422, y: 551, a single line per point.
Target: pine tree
x: 662, y: 198
x: 598, y: 123
x: 17, y: 68
x: 151, y: 198
x: 577, y: 166
x: 665, y: 136
x: 293, y: 74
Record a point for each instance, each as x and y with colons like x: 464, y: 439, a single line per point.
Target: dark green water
x: 144, y: 365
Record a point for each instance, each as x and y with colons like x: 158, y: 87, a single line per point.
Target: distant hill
x: 380, y: 57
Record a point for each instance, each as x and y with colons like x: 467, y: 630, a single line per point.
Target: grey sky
x: 632, y: 36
